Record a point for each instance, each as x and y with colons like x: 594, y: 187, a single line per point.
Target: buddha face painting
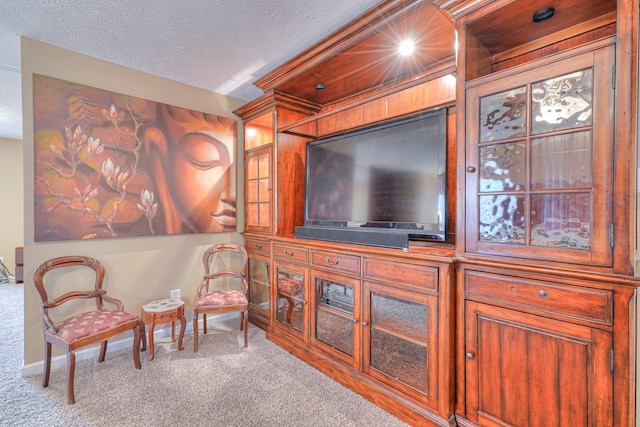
x: 195, y: 159
x: 114, y: 165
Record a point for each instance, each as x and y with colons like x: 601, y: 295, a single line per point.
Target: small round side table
x: 158, y: 312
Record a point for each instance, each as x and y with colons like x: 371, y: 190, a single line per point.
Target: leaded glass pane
x: 502, y: 218
x: 400, y: 359
x: 335, y: 331
x: 291, y: 298
x: 259, y: 283
x: 561, y: 220
x: 503, y: 115
x: 404, y: 317
x: 562, y: 161
x: 502, y: 167
x: 563, y: 102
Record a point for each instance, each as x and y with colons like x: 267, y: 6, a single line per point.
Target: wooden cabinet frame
x: 486, y: 52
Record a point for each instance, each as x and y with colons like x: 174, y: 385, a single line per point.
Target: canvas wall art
x: 112, y: 165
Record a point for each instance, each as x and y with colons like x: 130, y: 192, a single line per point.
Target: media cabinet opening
x: 381, y: 186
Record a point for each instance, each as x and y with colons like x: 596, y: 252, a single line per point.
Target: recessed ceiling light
x: 543, y: 14
x: 406, y: 47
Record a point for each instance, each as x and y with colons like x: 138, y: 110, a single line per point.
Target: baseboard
x: 161, y: 331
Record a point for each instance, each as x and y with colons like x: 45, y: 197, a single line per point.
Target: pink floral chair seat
x: 224, y: 297
x: 88, y: 324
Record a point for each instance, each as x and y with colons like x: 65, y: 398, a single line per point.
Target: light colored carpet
x: 223, y: 384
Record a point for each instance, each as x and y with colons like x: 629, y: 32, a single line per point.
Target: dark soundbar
x: 368, y: 237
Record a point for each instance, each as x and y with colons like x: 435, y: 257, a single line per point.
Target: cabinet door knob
x: 365, y: 323
x: 543, y: 293
x: 470, y: 355
x: 355, y: 320
x: 471, y: 169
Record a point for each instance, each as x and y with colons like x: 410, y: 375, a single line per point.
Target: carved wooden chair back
x: 224, y: 262
x: 87, y: 325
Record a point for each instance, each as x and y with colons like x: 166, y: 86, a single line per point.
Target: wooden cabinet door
x: 335, y: 316
x: 291, y: 308
x: 400, y: 340
x: 539, y: 166
x: 258, y: 189
x: 259, y: 279
x: 526, y: 370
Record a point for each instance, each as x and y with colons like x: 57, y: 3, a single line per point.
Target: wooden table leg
x: 151, y: 327
x: 183, y: 325
x: 143, y: 336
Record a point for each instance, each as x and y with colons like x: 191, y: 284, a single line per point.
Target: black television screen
x: 390, y: 178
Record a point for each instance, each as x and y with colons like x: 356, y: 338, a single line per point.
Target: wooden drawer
x: 593, y: 305
x: 290, y: 253
x: 258, y: 246
x: 419, y: 276
x: 336, y: 261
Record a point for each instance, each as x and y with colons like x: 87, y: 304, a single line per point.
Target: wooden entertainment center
x: 526, y: 314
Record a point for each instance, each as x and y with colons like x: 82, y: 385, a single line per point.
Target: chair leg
x: 136, y: 347
x: 103, y: 351
x: 71, y: 369
x: 241, y: 320
x: 245, y: 317
x: 204, y: 323
x: 195, y: 331
x: 47, y: 364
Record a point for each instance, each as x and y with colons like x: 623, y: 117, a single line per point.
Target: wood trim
x: 444, y: 69
x: 270, y: 100
x: 546, y: 272
x: 625, y: 136
x: 459, y: 8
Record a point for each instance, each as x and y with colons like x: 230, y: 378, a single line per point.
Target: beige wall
x: 138, y: 269
x: 11, y: 200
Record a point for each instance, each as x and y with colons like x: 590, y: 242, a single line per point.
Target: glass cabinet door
x: 335, y: 316
x: 400, y: 339
x: 540, y: 163
x: 291, y: 297
x: 258, y: 145
x: 259, y: 289
x: 258, y: 189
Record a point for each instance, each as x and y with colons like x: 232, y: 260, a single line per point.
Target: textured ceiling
x: 218, y: 45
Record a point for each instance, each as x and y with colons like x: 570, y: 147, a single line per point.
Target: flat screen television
x: 383, y: 185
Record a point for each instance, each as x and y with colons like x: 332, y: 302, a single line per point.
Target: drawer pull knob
x: 332, y: 262
x: 257, y: 246
x: 543, y: 293
x: 471, y: 169
x: 288, y: 253
x: 469, y: 355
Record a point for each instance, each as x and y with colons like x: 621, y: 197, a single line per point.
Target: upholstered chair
x: 79, y: 323
x: 230, y: 292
